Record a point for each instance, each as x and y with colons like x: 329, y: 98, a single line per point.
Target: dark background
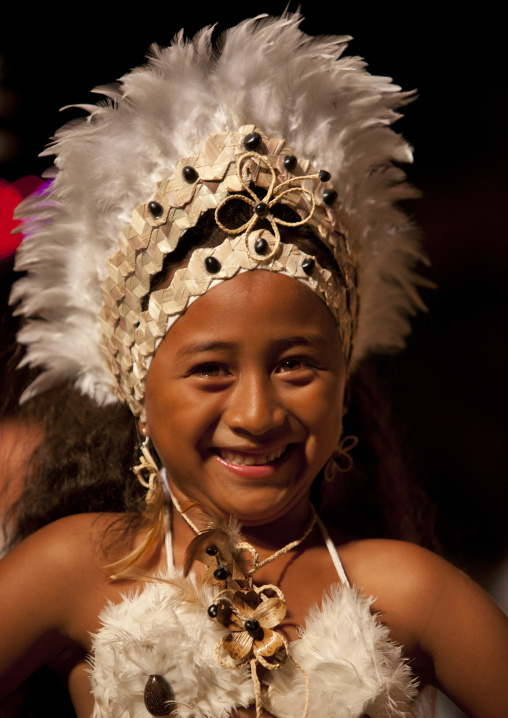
x: 450, y: 387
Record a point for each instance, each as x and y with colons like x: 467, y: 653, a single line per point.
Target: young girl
x: 264, y: 259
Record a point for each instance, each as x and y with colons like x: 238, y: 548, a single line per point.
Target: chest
x: 303, y: 577
x: 164, y: 630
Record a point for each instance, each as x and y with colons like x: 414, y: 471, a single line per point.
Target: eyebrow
x: 193, y: 349
x: 201, y: 348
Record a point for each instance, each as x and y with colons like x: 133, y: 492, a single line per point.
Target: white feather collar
x: 353, y: 667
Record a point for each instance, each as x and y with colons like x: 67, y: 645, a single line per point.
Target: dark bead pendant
x: 252, y: 141
x: 159, y: 697
x: 221, y: 573
x: 329, y: 196
x: 213, y: 610
x: 262, y: 209
x: 308, y: 266
x: 324, y: 176
x: 252, y: 626
x: 155, y: 208
x: 212, y: 265
x: 189, y: 174
x: 212, y: 550
x: 260, y: 246
x: 290, y: 162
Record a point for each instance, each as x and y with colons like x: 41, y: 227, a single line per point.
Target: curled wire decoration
x: 273, y: 196
x: 341, y: 460
x: 147, y: 464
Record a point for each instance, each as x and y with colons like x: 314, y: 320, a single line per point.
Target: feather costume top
x: 354, y: 669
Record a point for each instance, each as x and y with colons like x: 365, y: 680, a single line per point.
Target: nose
x: 253, y: 408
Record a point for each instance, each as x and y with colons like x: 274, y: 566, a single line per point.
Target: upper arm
x: 466, y: 636
x: 451, y: 628
x: 39, y: 581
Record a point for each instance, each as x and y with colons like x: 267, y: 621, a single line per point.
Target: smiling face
x: 244, y: 396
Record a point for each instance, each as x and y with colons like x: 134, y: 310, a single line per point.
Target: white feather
x: 353, y: 667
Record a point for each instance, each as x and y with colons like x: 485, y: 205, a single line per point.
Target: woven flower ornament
x: 251, y: 616
x: 274, y: 195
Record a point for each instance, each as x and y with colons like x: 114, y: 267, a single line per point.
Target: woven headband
x: 229, y: 164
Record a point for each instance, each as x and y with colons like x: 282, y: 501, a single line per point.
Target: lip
x: 242, y: 462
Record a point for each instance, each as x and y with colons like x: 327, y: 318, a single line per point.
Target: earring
x: 148, y: 466
x: 341, y: 461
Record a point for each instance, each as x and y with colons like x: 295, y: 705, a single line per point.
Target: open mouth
x: 245, y: 459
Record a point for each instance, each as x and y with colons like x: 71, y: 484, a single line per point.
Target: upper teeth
x: 251, y: 459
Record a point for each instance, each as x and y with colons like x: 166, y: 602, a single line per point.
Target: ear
x: 143, y: 429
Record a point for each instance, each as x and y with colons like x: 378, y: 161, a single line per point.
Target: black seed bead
x: 260, y: 245
x: 329, y: 196
x: 157, y: 695
x: 324, y: 176
x: 308, y: 266
x: 213, y: 610
x: 252, y: 626
x: 189, y: 174
x: 155, y: 208
x: 212, y: 265
x: 290, y: 162
x: 212, y: 550
x: 221, y: 573
x: 252, y: 141
x: 262, y: 209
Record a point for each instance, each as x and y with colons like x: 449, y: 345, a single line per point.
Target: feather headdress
x: 268, y: 73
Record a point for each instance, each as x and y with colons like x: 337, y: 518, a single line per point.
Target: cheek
x: 321, y: 412
x: 180, y: 422
x: 326, y: 430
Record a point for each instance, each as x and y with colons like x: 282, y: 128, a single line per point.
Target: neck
x: 277, y: 533
x: 265, y: 538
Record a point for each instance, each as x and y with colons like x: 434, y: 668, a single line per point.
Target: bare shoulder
x: 411, y: 586
x: 63, y: 541
x: 51, y: 567
x: 47, y: 582
x: 70, y: 558
x: 380, y: 566
x: 446, y: 623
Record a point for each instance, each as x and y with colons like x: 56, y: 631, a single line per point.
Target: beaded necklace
x: 250, y: 613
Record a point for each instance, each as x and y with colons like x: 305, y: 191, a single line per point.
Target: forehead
x: 253, y: 306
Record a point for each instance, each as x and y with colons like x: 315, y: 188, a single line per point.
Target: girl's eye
x: 210, y: 371
x: 291, y: 365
